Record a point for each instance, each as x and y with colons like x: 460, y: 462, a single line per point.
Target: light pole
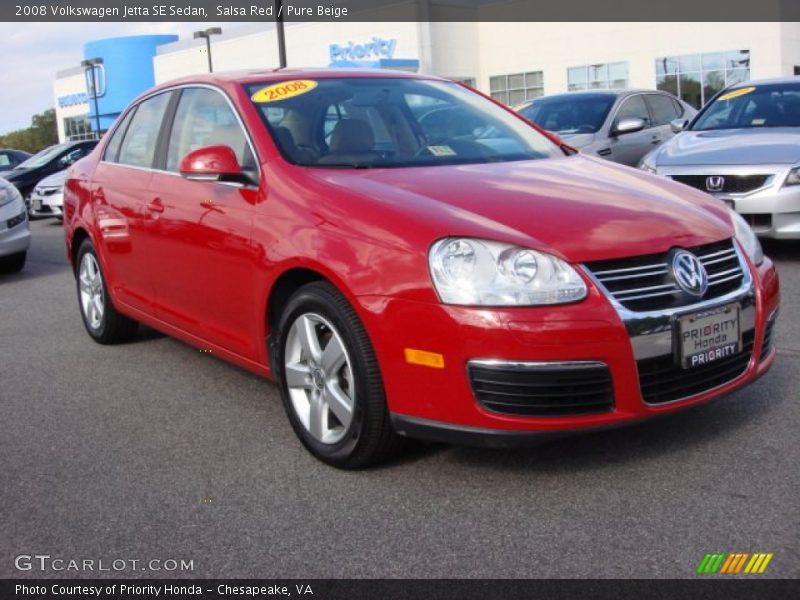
x: 207, y: 33
x: 281, y: 38
x: 91, y: 64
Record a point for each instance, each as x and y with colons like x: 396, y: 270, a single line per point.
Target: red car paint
x: 203, y: 270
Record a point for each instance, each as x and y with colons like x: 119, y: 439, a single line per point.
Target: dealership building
x: 513, y: 62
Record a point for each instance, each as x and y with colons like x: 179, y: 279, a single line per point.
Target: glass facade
x: 517, y: 88
x: 598, y: 77
x: 695, y: 78
x: 77, y: 129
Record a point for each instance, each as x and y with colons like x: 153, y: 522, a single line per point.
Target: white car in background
x: 744, y: 149
x: 15, y: 231
x: 47, y: 198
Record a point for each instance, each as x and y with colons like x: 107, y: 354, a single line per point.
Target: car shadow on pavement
x: 783, y: 250
x: 694, y: 426
x: 33, y: 269
x: 146, y: 334
x: 42, y: 260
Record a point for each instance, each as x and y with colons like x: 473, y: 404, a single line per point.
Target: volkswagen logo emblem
x: 690, y: 274
x: 715, y: 183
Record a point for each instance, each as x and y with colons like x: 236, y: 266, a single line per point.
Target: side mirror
x: 678, y: 125
x: 213, y: 163
x: 628, y: 125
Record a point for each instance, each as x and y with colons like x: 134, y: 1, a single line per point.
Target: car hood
x: 580, y: 208
x: 54, y: 180
x: 14, y: 173
x: 732, y: 147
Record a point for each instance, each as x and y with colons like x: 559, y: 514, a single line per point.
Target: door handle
x: 155, y: 206
x: 210, y: 205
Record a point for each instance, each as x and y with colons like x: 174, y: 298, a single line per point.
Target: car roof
x: 769, y: 80
x: 607, y: 92
x: 267, y: 75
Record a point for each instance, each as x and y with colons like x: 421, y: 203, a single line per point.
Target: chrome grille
x: 645, y: 283
x: 732, y: 184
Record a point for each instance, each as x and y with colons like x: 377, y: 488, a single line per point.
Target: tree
x: 42, y: 133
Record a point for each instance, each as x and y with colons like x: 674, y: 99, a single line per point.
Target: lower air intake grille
x: 542, y: 389
x: 661, y: 380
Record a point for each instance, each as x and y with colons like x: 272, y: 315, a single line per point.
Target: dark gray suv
x: 620, y: 125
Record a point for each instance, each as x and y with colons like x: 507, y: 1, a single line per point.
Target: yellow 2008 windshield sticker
x: 736, y: 93
x: 283, y: 90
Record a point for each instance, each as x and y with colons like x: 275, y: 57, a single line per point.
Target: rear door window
x: 112, y: 148
x: 139, y: 144
x: 634, y: 107
x: 662, y: 109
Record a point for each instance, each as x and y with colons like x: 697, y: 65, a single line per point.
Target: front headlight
x: 793, y: 178
x: 748, y: 239
x: 8, y: 194
x: 648, y: 164
x: 474, y: 272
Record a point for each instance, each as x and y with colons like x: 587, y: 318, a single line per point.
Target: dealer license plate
x: 37, y: 204
x: 709, y: 336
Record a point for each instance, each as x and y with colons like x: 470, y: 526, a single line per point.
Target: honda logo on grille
x: 715, y: 183
x: 690, y: 274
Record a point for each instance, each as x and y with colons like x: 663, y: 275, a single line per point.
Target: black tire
x: 369, y: 437
x: 26, y: 195
x: 111, y: 327
x: 13, y: 263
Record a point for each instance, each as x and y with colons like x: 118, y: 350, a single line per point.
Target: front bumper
x: 772, y: 210
x: 46, y: 202
x: 15, y: 231
x: 441, y: 404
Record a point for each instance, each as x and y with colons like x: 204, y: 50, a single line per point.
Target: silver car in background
x: 743, y: 148
x: 47, y: 198
x: 618, y: 125
x: 15, y: 231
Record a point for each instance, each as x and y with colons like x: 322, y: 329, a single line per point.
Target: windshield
x: 570, y: 113
x: 43, y: 156
x: 372, y: 122
x: 772, y: 105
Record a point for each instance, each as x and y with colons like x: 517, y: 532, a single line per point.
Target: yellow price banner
x: 283, y: 90
x: 736, y: 93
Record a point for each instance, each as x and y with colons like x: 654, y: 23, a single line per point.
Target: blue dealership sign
x: 377, y: 48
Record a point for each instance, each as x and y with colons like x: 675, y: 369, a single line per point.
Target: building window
x: 695, y: 78
x: 77, y: 129
x: 598, y: 77
x: 469, y: 81
x: 517, y: 88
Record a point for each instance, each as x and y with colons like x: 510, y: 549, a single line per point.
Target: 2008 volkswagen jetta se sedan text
x: 397, y: 281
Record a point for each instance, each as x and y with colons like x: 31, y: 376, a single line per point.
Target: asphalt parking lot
x: 154, y: 450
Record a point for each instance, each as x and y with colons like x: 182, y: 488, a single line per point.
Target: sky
x: 33, y: 52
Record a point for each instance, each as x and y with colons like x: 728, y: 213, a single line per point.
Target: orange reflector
x: 426, y: 359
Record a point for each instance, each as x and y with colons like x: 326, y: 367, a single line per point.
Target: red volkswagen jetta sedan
x: 408, y: 258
